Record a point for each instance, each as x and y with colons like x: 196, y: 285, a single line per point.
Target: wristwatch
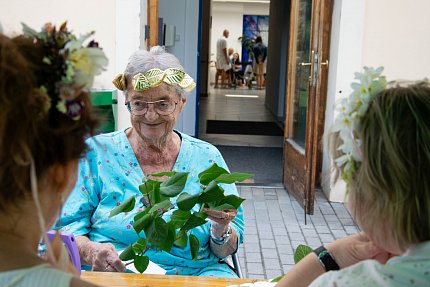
x: 223, y: 239
x: 326, y: 259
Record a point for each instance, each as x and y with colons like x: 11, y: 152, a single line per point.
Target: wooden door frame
x: 305, y: 168
x: 321, y: 92
x: 152, y: 15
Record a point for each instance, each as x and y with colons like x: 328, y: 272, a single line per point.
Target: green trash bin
x: 105, y: 106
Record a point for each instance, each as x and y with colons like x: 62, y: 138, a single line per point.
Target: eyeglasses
x: 162, y: 107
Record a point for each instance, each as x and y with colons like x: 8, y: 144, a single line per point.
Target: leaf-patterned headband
x: 154, y: 77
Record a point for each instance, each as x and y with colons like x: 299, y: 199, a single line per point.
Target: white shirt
x: 42, y: 275
x: 410, y: 269
x: 221, y: 61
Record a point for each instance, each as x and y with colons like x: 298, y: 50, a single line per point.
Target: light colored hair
x: 391, y: 189
x: 156, y: 58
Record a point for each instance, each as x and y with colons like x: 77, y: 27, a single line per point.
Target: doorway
x: 238, y: 120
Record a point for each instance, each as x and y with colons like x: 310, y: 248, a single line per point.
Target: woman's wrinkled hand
x: 355, y: 248
x: 223, y: 217
x: 220, y: 219
x: 103, y: 257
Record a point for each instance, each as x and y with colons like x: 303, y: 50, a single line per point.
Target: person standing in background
x: 260, y: 54
x: 222, y: 59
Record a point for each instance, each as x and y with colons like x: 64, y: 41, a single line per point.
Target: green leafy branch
x: 247, y: 43
x: 157, y: 196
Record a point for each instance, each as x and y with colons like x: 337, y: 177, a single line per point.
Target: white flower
x: 351, y: 111
x: 87, y: 63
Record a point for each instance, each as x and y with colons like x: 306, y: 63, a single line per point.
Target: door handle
x: 325, y: 63
x: 311, y: 65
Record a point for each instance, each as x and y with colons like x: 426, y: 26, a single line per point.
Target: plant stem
x: 147, y: 194
x: 202, y: 207
x: 180, y: 236
x: 128, y: 263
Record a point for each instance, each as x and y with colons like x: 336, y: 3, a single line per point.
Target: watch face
x: 323, y: 254
x: 327, y: 260
x: 227, y: 233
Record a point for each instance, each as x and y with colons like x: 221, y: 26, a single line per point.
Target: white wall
x: 184, y: 14
x: 347, y: 34
x: 397, y: 37
x: 230, y: 16
x: 393, y: 34
x: 116, y: 23
x: 79, y: 14
x: 129, y: 24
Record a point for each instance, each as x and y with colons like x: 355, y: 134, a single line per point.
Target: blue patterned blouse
x: 110, y: 174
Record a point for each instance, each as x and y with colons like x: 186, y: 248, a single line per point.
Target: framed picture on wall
x: 253, y: 26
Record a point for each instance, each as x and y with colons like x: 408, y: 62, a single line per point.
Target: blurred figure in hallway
x: 236, y: 70
x: 260, y: 54
x: 222, y: 59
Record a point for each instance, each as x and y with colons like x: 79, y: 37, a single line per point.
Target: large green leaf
x: 179, y: 217
x: 233, y: 177
x: 127, y: 254
x: 141, y: 214
x: 154, y: 191
x: 174, y: 185
x: 148, y: 185
x: 192, y: 222
x: 277, y: 279
x: 170, y: 238
x: 201, y: 214
x: 157, y: 233
x: 161, y: 174
x: 151, y: 188
x: 187, y: 201
x: 212, y: 192
x: 182, y: 239
x: 141, y: 263
x: 139, y: 246
x: 301, y: 252
x: 194, y: 246
x: 126, y: 206
x: 161, y: 207
x: 224, y: 206
x: 142, y: 222
x: 211, y: 173
x: 232, y: 199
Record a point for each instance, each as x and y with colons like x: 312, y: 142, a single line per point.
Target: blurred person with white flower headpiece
x: 380, y: 145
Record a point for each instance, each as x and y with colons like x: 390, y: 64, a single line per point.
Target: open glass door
x: 306, y: 95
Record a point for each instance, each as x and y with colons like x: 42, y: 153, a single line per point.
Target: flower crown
x: 351, y: 111
x: 154, y: 77
x: 70, y: 67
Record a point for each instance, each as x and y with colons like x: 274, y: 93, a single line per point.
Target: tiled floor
x: 274, y: 221
x: 218, y: 106
x: 272, y: 236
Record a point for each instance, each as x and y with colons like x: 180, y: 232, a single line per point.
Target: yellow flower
x: 80, y: 60
x: 61, y: 106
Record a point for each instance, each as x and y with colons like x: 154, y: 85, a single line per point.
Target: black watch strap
x: 326, y: 259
